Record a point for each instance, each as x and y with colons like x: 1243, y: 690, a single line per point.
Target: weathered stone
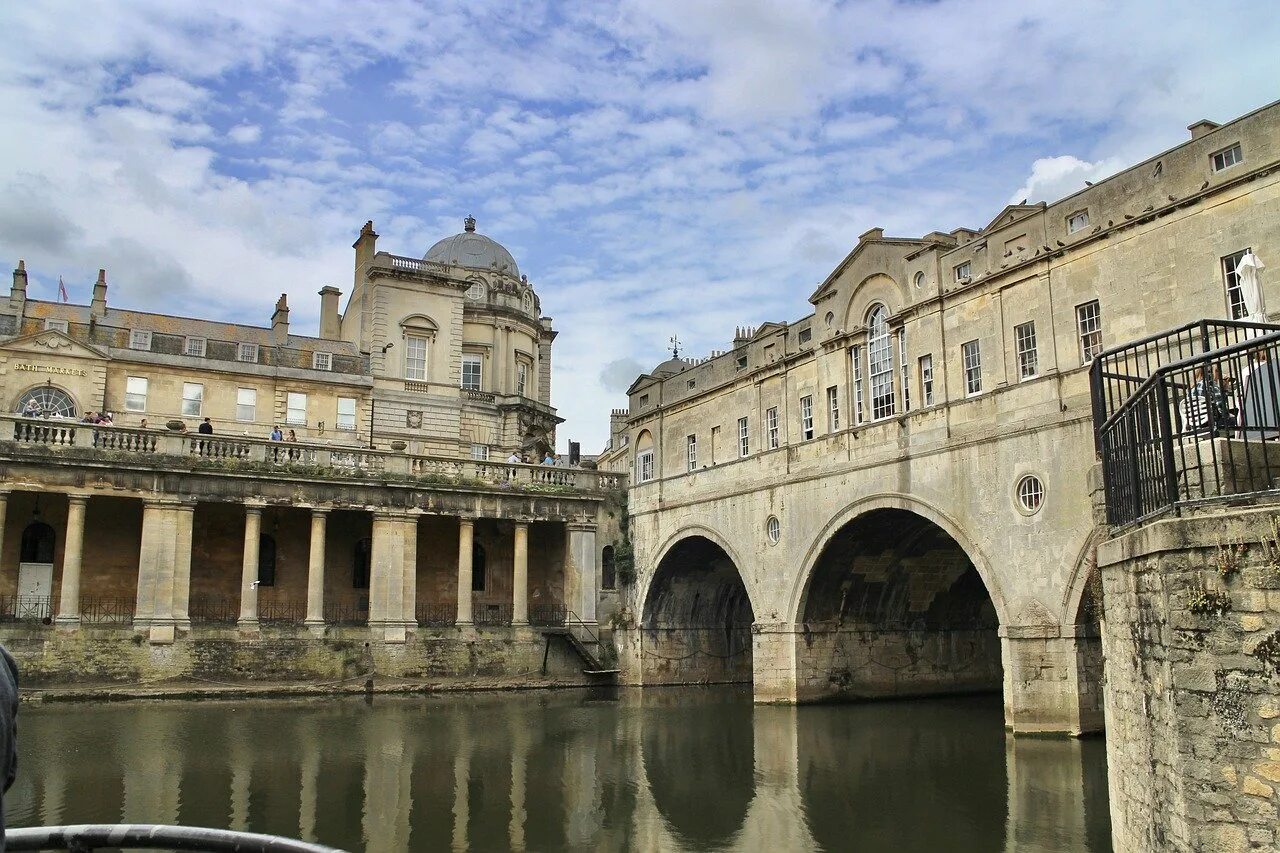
x: 1269, y: 770
x: 1254, y: 788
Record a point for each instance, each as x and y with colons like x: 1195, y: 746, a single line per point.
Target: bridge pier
x: 773, y: 658
x: 1052, y: 679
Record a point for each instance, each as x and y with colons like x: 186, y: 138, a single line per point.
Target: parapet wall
x: 1191, y: 635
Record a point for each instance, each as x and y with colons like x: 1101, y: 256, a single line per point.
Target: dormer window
x: 140, y: 340
x: 1077, y: 221
x: 247, y: 352
x: 964, y: 271
x: 805, y: 336
x: 57, y: 325
x: 644, y: 400
x: 194, y: 347
x: 322, y: 361
x: 1227, y: 157
x: 741, y: 363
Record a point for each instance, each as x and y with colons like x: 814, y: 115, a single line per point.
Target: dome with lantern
x: 473, y: 250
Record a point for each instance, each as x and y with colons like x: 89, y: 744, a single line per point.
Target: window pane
x: 1025, y: 342
x: 972, y: 368
x: 471, y: 372
x: 744, y: 445
x: 346, y: 413
x: 806, y: 417
x: 296, y: 408
x: 1089, y: 320
x: 880, y: 360
x: 771, y: 423
x: 135, y: 394
x: 1235, y: 293
x: 415, y: 357
x: 192, y: 399
x: 246, y: 404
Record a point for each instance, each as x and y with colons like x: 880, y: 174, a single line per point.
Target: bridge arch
x: 895, y: 600
x: 697, y: 613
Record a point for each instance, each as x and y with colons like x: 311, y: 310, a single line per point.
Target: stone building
x: 389, y: 510
x: 891, y: 495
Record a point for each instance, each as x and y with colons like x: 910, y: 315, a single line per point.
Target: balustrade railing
x: 351, y: 610
x: 271, y: 609
x: 341, y: 459
x: 547, y: 614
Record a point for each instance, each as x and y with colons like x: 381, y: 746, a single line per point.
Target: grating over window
x: 1030, y: 493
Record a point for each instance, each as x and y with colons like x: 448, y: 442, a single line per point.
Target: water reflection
x: 678, y: 769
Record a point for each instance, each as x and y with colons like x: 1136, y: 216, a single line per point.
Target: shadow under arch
x: 893, y: 605
x: 696, y: 620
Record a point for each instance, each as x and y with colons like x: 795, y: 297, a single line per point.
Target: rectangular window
x: 904, y: 369
x: 691, y: 384
x: 471, y: 371
x: 139, y: 339
x: 1089, y: 322
x: 247, y: 352
x: 806, y: 417
x: 58, y: 325
x: 1235, y: 293
x: 771, y: 426
x: 963, y: 270
x: 246, y: 404
x: 480, y: 452
x: 1024, y: 337
x: 346, y: 413
x: 972, y: 368
x: 415, y: 358
x: 644, y: 463
x: 321, y: 361
x: 926, y: 378
x: 744, y: 441
x: 194, y: 347
x: 192, y: 399
x: 135, y: 394
x: 296, y: 408
x: 1227, y: 157
x: 741, y: 363
x: 522, y: 378
x: 833, y: 409
x: 644, y: 400
x: 691, y: 452
x: 1077, y: 221
x: 856, y: 356
x: 880, y: 368
x: 805, y: 336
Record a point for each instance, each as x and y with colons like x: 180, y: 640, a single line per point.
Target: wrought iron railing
x: 1197, y: 429
x: 26, y: 608
x: 281, y: 610
x: 547, y: 614
x: 491, y: 614
x: 435, y: 615
x: 353, y: 610
x: 213, y: 609
x: 88, y: 837
x: 106, y: 610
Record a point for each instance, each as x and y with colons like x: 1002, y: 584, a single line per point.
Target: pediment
x: 49, y: 343
x: 1011, y: 214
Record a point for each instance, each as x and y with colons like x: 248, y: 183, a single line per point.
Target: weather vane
x: 675, y: 347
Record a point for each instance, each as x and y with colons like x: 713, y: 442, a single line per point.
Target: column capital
x: 163, y: 503
x: 582, y: 526
x: 319, y: 510
x: 78, y: 499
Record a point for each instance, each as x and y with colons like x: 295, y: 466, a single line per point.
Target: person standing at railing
x: 514, y: 458
x: 549, y: 459
x: 276, y: 434
x: 205, y: 428
x: 8, y: 726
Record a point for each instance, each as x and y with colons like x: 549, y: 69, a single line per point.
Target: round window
x: 919, y: 280
x: 475, y: 291
x: 1030, y: 493
x: 773, y: 529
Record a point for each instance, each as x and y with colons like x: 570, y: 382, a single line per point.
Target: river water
x: 666, y: 769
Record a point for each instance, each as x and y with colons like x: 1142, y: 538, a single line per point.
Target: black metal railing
x: 26, y: 608
x: 106, y: 610
x: 547, y: 614
x: 213, y: 609
x: 281, y: 610
x: 87, y: 837
x: 353, y: 610
x: 1117, y: 373
x: 435, y: 615
x: 491, y: 614
x: 1200, y: 428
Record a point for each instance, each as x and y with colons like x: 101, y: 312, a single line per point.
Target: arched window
x: 880, y: 362
x: 266, y: 560
x: 45, y: 401
x: 477, y: 568
x: 360, y: 564
x: 644, y: 457
x: 37, y: 543
x: 608, y: 579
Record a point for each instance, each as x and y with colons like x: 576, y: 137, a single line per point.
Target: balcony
x: 60, y: 440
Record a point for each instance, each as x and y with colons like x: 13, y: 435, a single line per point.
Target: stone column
x: 72, y: 552
x: 249, y: 567
x: 520, y: 576
x: 315, y: 572
x: 1042, y: 689
x: 184, y: 515
x: 157, y: 561
x: 580, y: 571
x: 773, y: 662
x: 466, y: 532
x: 409, y: 596
x: 386, y: 577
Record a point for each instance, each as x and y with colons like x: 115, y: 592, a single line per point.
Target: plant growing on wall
x: 1229, y: 555
x: 624, y: 555
x: 1268, y: 650
x: 1205, y: 602
x: 1271, y: 551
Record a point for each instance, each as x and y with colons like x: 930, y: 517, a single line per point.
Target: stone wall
x: 1191, y: 634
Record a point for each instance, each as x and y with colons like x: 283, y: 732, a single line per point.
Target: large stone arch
x: 705, y: 532
x: 909, y: 503
x: 876, y: 287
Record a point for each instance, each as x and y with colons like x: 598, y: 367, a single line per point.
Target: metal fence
x: 491, y: 614
x: 106, y: 610
x: 1200, y: 428
x: 213, y: 609
x: 547, y: 614
x: 26, y: 608
x: 435, y: 615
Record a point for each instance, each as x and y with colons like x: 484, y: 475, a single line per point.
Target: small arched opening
x: 46, y: 401
x: 608, y: 576
x: 697, y: 618
x: 38, y: 540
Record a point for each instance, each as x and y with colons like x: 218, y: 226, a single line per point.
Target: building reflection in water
x: 685, y: 769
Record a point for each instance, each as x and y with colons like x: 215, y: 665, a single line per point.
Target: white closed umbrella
x: 1255, y: 303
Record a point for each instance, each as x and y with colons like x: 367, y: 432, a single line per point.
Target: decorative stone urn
x: 176, y: 426
x: 398, y: 446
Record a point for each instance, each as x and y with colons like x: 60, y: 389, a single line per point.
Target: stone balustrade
x: 299, y: 457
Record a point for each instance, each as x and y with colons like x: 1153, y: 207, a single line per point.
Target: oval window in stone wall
x: 830, y: 318
x: 919, y: 280
x: 1030, y: 494
x: 773, y: 529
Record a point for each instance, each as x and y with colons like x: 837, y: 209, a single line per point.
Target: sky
x: 657, y: 167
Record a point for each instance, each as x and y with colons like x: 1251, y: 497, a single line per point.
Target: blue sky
x: 657, y: 168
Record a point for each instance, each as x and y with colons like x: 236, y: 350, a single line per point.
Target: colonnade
x: 164, y: 569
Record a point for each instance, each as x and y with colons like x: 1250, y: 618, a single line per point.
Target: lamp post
x: 373, y: 399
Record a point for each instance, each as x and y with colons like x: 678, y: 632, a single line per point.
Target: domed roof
x: 669, y: 367
x: 474, y: 251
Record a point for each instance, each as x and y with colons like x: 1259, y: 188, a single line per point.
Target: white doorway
x: 35, y: 573
x: 35, y: 580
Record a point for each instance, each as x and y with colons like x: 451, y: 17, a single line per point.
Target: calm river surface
x: 667, y: 769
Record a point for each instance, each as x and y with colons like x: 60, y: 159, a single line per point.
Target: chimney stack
x: 1202, y: 127
x: 98, y: 307
x: 330, y: 322
x: 18, y: 296
x: 280, y: 321
x: 365, y: 246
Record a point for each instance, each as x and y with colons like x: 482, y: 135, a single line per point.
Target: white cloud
x: 1053, y: 178
x: 245, y: 134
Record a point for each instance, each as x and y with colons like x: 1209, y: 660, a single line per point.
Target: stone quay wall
x: 1191, y: 635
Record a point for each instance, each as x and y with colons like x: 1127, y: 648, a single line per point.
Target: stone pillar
x: 184, y: 516
x: 157, y: 562
x: 774, y: 665
x: 580, y: 573
x: 315, y: 572
x: 466, y: 533
x: 409, y: 595
x: 386, y: 577
x: 520, y: 576
x: 249, y: 567
x: 1042, y: 689
x: 72, y: 552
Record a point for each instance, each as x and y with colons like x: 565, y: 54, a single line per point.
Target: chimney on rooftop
x: 280, y: 321
x: 365, y: 246
x: 18, y: 296
x: 871, y: 234
x: 98, y: 307
x: 1202, y: 127
x: 330, y: 322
